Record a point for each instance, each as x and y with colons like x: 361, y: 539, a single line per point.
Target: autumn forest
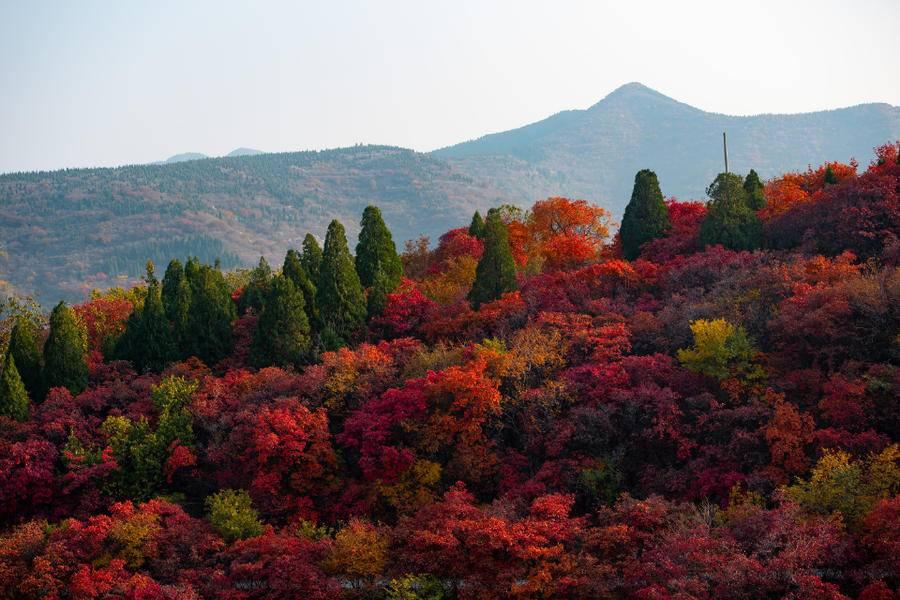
x: 697, y: 400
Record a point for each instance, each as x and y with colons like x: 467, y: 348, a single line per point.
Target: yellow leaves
x: 415, y: 487
x: 720, y: 350
x: 359, y: 551
x: 453, y: 283
x: 133, y: 537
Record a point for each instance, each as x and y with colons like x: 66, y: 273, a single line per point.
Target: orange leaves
x: 565, y: 233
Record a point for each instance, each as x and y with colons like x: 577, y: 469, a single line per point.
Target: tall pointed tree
x: 257, y: 288
x: 340, y: 297
x: 729, y: 220
x: 176, y: 298
x: 646, y: 216
x: 23, y: 347
x: 64, y: 362
x: 294, y: 270
x: 282, y: 335
x: 13, y: 397
x: 311, y: 259
x: 208, y: 334
x: 148, y: 341
x: 753, y: 187
x: 476, y: 227
x: 376, y: 251
x: 496, y: 271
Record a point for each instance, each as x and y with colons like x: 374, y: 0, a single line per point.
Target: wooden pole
x: 725, y: 150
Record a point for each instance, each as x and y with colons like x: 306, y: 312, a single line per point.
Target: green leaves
x: 339, y: 292
x: 283, y: 333
x: 496, y: 271
x: 232, y: 515
x: 730, y: 221
x: 64, y: 363
x: 13, y: 397
x: 646, y: 216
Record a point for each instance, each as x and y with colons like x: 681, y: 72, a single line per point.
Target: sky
x: 90, y: 83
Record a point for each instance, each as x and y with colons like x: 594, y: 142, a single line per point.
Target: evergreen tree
x: 339, y: 294
x: 294, y: 270
x: 729, y: 221
x: 646, y: 216
x: 496, y: 271
x: 148, y: 341
x: 208, y: 328
x: 830, y: 177
x: 176, y: 298
x: 23, y: 347
x: 13, y: 397
x: 376, y: 251
x: 255, y: 293
x: 476, y: 227
x: 753, y: 187
x: 64, y: 363
x: 376, y: 299
x: 282, y: 332
x: 312, y: 257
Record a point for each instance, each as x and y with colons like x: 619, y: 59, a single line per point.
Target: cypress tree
x: 339, y: 294
x: 64, y: 364
x: 830, y: 177
x: 13, y: 397
x: 255, y: 293
x: 148, y: 341
x: 729, y: 220
x: 293, y: 269
x: 176, y: 298
x: 23, y: 347
x: 476, y: 227
x: 753, y: 187
x: 312, y: 257
x: 376, y: 251
x: 282, y: 334
x: 208, y: 332
x: 646, y: 216
x: 496, y: 271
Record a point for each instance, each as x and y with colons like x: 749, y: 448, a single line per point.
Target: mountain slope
x: 594, y: 153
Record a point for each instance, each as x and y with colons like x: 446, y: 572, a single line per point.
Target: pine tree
x: 496, y: 271
x: 311, y: 259
x: 830, y: 177
x: 23, y: 347
x: 376, y: 251
x: 753, y: 187
x: 646, y: 216
x: 294, y: 270
x: 208, y: 329
x: 257, y: 289
x: 282, y: 334
x: 476, y: 227
x: 339, y: 294
x: 176, y: 298
x: 148, y: 341
x: 13, y: 397
x: 729, y: 221
x: 64, y: 363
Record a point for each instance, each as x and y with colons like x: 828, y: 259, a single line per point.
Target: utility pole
x: 725, y: 151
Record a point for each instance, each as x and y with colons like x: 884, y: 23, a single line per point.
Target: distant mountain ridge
x: 66, y: 231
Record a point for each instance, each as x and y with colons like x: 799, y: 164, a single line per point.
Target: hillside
x: 593, y: 153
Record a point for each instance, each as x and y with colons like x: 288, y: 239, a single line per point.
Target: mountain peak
x: 631, y: 92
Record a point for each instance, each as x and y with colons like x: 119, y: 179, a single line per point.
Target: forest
x: 698, y: 402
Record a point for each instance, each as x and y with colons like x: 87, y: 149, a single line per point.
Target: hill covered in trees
x: 703, y: 405
x: 64, y: 232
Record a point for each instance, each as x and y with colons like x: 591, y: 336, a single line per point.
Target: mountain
x: 594, y: 153
x: 184, y: 157
x: 64, y: 232
x: 244, y: 152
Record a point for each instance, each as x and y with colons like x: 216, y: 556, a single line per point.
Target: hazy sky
x: 86, y: 83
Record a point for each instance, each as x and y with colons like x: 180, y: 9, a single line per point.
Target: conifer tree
x: 148, y: 341
x: 282, y: 334
x: 339, y: 294
x: 496, y: 271
x: 830, y: 177
x: 753, y: 187
x: 476, y: 227
x: 376, y: 251
x: 646, y: 216
x: 23, y: 347
x: 176, y: 298
x: 258, y: 287
x: 13, y: 397
x: 64, y: 363
x: 311, y: 259
x: 208, y: 329
x: 294, y: 270
x: 729, y: 221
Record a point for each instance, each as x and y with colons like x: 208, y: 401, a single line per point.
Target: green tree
x: 176, y: 298
x: 312, y: 257
x: 376, y: 251
x: 208, y: 329
x: 294, y: 270
x: 476, y: 227
x: 64, y: 350
x: 23, y: 347
x: 13, y: 397
x: 255, y: 293
x: 495, y: 274
x: 729, y: 220
x: 720, y: 350
x: 148, y: 342
x: 232, y: 515
x: 753, y: 187
x: 830, y: 177
x: 646, y: 216
x: 282, y: 334
x: 340, y: 297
